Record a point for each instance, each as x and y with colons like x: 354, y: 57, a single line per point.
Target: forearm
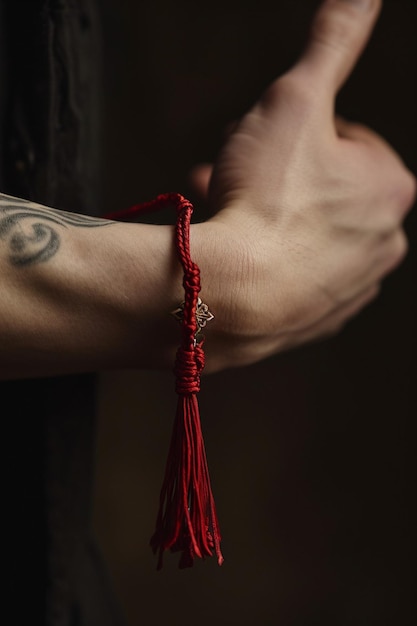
x: 82, y: 294
x: 307, y: 221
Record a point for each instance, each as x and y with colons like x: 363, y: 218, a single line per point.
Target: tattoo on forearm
x: 29, y: 229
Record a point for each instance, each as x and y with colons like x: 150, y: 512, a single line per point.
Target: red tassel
x: 187, y: 519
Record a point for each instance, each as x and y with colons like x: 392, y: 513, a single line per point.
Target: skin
x: 307, y: 221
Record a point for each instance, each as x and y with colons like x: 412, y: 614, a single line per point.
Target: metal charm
x: 202, y: 314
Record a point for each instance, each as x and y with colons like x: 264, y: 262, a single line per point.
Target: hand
x: 309, y: 207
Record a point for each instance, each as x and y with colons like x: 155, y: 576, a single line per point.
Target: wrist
x: 231, y: 276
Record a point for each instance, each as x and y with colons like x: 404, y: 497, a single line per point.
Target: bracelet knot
x: 188, y: 366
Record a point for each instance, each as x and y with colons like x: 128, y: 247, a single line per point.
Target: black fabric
x: 52, y: 134
x: 50, y: 93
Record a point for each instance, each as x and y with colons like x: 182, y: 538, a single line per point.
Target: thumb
x: 339, y: 33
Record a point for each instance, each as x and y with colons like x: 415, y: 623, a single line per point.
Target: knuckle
x: 398, y: 251
x: 400, y: 196
x: 407, y: 191
x: 401, y: 246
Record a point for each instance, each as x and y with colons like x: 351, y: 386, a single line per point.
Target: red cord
x: 187, y: 519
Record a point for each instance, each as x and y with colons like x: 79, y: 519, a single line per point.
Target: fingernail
x: 363, y: 5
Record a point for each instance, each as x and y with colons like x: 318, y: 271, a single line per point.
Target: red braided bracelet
x: 187, y: 519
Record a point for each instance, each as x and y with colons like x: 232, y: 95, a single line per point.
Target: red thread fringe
x: 187, y: 520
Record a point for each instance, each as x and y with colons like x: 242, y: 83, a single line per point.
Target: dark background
x: 312, y: 453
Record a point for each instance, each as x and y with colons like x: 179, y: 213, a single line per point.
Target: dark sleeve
x: 50, y: 121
